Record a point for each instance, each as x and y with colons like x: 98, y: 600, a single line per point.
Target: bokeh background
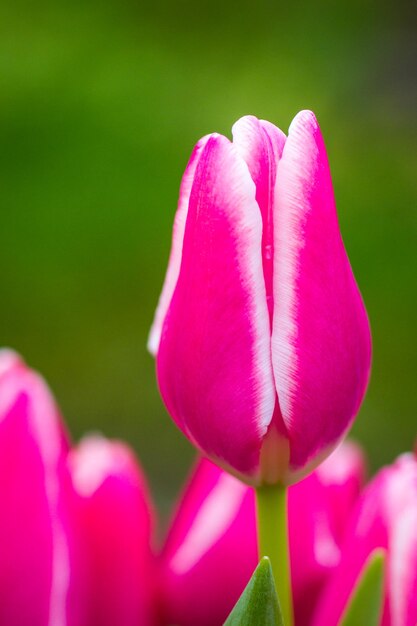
x: 100, y: 105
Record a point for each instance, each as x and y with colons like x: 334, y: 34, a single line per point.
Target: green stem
x: 272, y: 518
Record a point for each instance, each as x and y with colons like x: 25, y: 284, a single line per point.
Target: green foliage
x: 258, y: 603
x: 366, y: 602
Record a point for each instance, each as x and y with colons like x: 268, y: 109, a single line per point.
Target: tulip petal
x: 174, y: 262
x: 321, y: 338
x: 211, y: 548
x: 385, y: 517
x: 261, y: 143
x: 210, y: 552
x: 319, y: 507
x: 365, y: 603
x: 402, y: 579
x: 214, y: 363
x: 115, y: 525
x: 342, y: 476
x: 35, y: 536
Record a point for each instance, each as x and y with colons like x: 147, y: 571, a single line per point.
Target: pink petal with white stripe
x: 321, y: 339
x: 36, y: 543
x: 260, y: 144
x: 385, y: 517
x: 174, y: 262
x: 115, y: 518
x: 214, y: 363
x: 343, y: 475
x: 403, y: 569
x: 319, y: 509
x: 214, y: 528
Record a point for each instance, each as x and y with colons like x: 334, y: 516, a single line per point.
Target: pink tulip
x: 116, y: 520
x: 211, y: 548
x: 386, y: 517
x: 261, y: 337
x: 37, y: 558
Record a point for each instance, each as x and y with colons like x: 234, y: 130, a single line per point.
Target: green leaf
x: 365, y: 603
x: 258, y: 603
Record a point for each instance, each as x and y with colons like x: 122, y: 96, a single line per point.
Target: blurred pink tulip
x: 37, y: 558
x: 115, y: 518
x: 211, y: 548
x: 261, y: 336
x: 386, y: 517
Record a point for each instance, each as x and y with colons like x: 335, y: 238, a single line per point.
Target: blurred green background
x: 100, y: 105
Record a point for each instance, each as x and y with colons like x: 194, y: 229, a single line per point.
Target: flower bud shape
x: 211, y: 548
x: 385, y: 517
x: 261, y: 337
x: 36, y: 543
x: 115, y: 521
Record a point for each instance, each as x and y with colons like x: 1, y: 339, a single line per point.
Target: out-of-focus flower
x: 38, y: 562
x: 319, y: 510
x: 75, y: 525
x: 211, y: 548
x: 386, y: 517
x: 261, y: 337
x: 115, y: 521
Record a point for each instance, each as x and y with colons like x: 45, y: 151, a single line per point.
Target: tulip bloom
x: 115, y: 525
x: 37, y: 562
x: 211, y: 548
x: 386, y: 517
x: 261, y: 336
